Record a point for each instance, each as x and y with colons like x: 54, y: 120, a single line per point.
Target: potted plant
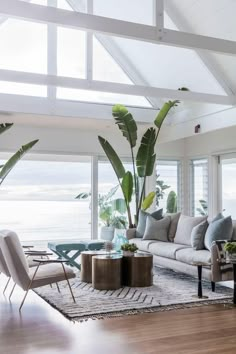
x: 230, y: 248
x: 129, y: 249
x: 134, y: 182
x: 110, y: 211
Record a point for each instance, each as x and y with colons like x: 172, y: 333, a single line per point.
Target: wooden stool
x: 106, y: 272
x: 137, y: 270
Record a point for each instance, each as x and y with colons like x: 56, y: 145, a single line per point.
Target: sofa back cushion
x: 157, y: 215
x: 184, y: 228
x: 234, y: 230
x: 174, y: 218
x: 157, y: 229
x: 198, y: 235
x: 219, y: 229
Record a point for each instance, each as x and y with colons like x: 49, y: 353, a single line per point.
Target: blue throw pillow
x: 219, y: 229
x: 142, y: 221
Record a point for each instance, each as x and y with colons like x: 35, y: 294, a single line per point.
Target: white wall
x: 76, y: 140
x: 218, y: 141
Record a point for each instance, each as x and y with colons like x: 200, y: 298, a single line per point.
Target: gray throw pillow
x: 198, y: 234
x: 157, y: 215
x: 184, y: 228
x: 220, y: 229
x: 156, y: 229
x: 173, y: 225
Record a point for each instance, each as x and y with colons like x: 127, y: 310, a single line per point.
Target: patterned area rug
x: 170, y: 291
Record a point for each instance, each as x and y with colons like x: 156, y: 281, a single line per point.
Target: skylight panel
x: 105, y: 68
x: 23, y: 46
x: 101, y: 97
x: 17, y: 88
x: 71, y: 52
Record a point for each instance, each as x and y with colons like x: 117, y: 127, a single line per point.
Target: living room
x: 118, y: 159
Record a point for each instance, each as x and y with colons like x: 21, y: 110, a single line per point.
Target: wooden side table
x: 106, y: 272
x: 137, y: 270
x: 86, y: 264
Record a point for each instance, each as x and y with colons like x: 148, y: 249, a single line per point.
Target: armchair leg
x: 213, y: 286
x: 6, y: 285
x: 58, y: 289
x: 68, y: 282
x: 22, y: 303
x: 12, y: 291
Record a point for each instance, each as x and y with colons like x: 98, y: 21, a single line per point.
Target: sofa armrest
x: 130, y: 233
x: 215, y: 268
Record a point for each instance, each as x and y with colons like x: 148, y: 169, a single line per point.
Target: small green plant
x: 171, y: 203
x: 204, y: 207
x: 131, y: 247
x: 230, y: 247
x: 160, y: 189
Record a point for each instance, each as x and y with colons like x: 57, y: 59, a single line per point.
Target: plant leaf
x: 146, y: 156
x: 111, y: 192
x: 112, y: 157
x: 119, y: 205
x: 163, y: 112
x: 126, y: 123
x: 8, y: 166
x: 5, y: 126
x: 147, y: 202
x: 166, y: 108
x: 127, y: 186
x: 83, y: 195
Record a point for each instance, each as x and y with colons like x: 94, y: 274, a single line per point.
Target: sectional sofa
x: 181, y: 256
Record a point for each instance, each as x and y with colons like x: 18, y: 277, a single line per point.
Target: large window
x: 107, y: 181
x: 199, y: 182
x: 168, y: 185
x: 38, y: 200
x: 228, y: 186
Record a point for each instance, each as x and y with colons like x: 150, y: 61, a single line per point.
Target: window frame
x: 179, y: 164
x: 192, y: 207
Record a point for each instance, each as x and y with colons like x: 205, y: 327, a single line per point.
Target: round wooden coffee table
x: 86, y: 264
x: 106, y: 272
x: 137, y: 270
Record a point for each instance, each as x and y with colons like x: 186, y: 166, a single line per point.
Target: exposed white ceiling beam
x: 205, y: 56
x: 38, y: 13
x: 66, y: 108
x: 103, y: 86
x: 158, y: 14
x: 110, y: 46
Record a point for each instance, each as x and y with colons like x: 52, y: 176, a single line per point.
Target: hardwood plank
x: 41, y: 329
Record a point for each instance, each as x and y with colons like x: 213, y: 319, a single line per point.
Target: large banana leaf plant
x: 8, y: 166
x: 133, y: 182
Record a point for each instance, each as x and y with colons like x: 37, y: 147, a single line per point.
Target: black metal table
x: 199, y: 266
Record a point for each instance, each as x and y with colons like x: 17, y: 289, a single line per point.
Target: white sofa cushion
x: 156, y: 229
x: 174, y: 218
x: 165, y: 249
x: 190, y: 256
x: 143, y: 245
x: 184, y: 228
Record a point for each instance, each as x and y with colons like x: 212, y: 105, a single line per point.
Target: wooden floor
x: 39, y: 329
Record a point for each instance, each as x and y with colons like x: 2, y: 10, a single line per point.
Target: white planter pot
x: 231, y: 256
x: 107, y: 233
x: 128, y: 253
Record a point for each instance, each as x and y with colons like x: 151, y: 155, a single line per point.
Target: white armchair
x: 27, y: 278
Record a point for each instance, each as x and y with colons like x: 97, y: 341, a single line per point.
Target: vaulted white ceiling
x: 77, y: 73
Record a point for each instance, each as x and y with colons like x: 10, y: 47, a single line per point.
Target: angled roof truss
x: 100, y: 25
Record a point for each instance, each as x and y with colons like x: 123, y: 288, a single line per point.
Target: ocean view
x: 47, y: 220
